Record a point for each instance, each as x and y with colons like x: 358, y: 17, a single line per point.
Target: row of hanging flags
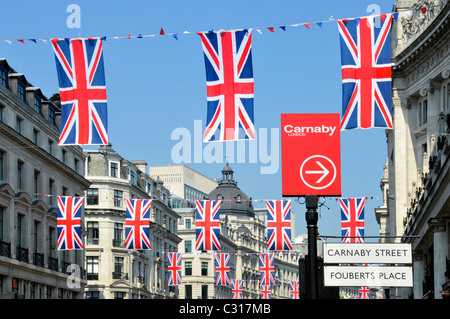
x: 366, y: 81
x: 207, y: 230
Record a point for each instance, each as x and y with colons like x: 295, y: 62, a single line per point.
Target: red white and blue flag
x: 236, y: 289
x: 68, y: 222
x: 266, y: 293
x: 137, y: 224
x: 352, y: 219
x: 230, y: 86
x: 364, y: 292
x: 174, y: 268
x: 366, y: 72
x: 267, y: 269
x: 82, y: 90
x: 295, y: 290
x: 223, y: 269
x: 207, y: 225
x: 279, y: 224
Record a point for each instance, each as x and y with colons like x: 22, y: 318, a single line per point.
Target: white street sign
x: 367, y: 253
x: 356, y: 276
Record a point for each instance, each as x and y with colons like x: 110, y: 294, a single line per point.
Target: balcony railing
x: 118, y: 243
x: 119, y: 275
x: 22, y: 254
x: 53, y: 263
x: 5, y: 249
x: 38, y: 259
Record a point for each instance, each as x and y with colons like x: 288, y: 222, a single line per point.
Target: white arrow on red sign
x: 324, y: 172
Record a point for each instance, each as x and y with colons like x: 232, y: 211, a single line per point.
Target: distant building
x: 112, y: 270
x: 33, y: 171
x: 416, y: 179
x: 185, y: 184
x: 244, y: 236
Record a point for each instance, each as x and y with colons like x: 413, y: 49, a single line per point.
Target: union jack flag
x: 364, y: 292
x: 207, y: 228
x: 230, y: 87
x: 68, y: 222
x: 82, y: 90
x: 267, y: 269
x: 266, y: 293
x: 174, y: 268
x: 223, y: 269
x: 366, y: 72
x: 279, y: 224
x: 352, y: 219
x: 295, y: 290
x: 236, y: 289
x: 137, y: 224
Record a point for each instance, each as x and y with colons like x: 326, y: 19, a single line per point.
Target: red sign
x: 311, y: 154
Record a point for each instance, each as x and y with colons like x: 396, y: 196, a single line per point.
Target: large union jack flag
x: 352, y: 219
x: 267, y: 269
x: 366, y: 72
x: 223, y: 269
x: 295, y: 289
x: 207, y: 227
x: 82, y: 89
x: 279, y: 224
x: 69, y: 222
x: 236, y: 289
x: 230, y: 87
x: 174, y: 268
x: 137, y: 224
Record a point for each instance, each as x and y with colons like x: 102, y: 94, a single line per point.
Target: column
x: 418, y: 274
x: 440, y: 253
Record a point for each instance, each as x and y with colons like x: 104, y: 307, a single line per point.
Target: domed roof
x: 234, y: 200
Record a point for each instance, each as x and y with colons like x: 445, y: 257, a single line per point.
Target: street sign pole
x: 311, y: 221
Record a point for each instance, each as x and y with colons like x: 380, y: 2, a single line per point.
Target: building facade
x: 243, y: 235
x: 33, y: 171
x: 416, y: 176
x: 114, y: 272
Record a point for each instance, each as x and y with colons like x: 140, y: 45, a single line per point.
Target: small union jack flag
x: 236, y: 289
x: 295, y: 290
x: 223, y: 269
x: 174, y: 268
x: 82, y: 90
x: 68, y: 222
x: 230, y: 88
x: 364, y: 292
x: 352, y: 219
x: 266, y: 293
x: 137, y: 224
x: 279, y: 224
x: 207, y: 227
x: 366, y: 72
x: 267, y: 269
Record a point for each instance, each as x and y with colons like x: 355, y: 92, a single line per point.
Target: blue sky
x: 157, y: 84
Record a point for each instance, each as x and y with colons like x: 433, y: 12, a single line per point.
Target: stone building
x: 244, y: 236
x: 33, y: 171
x: 416, y: 177
x: 112, y: 270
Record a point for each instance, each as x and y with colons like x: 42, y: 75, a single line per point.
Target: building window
x: 1, y: 222
x: 50, y: 191
x: 92, y: 295
x: 36, y: 182
x: 19, y: 174
x: 118, y: 267
x: 423, y: 110
x: 188, y: 246
x: 114, y: 169
x: 92, y: 196
x: 132, y: 175
x: 188, y: 223
x: 50, y: 147
x: 64, y: 153
x: 2, y: 163
x: 21, y: 91
x: 188, y: 292
x: 119, y: 295
x: 204, y: 268
x: 188, y: 268
x: 19, y: 125
x: 35, y: 136
x: 3, y: 77
x: 92, y: 267
x: 118, y: 233
x: 76, y: 164
x: 37, y: 104
x: 52, y: 115
x: 92, y: 233
x: 204, y: 291
x: 118, y: 198
x: 1, y: 113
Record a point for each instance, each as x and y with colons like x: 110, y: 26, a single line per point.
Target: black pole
x: 311, y: 222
